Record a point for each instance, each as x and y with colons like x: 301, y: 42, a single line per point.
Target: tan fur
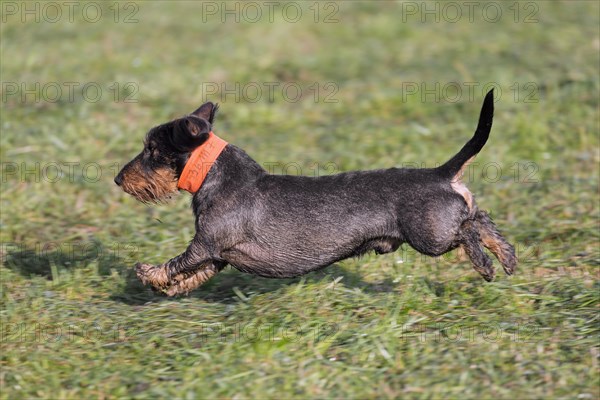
x: 500, y: 248
x: 191, y: 282
x: 460, y: 188
x: 160, y: 186
x: 156, y: 276
x: 494, y: 242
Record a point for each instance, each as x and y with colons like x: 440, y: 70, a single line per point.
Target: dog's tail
x: 473, y: 146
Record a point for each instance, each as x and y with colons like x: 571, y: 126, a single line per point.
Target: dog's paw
x: 141, y: 270
x: 151, y: 274
x: 176, y: 290
x: 509, y: 262
x: 488, y: 275
x: 486, y: 270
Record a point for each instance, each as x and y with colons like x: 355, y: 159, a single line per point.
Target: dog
x: 282, y: 226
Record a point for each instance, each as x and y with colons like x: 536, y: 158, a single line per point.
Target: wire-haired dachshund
x: 281, y: 226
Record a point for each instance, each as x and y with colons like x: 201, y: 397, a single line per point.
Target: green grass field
x: 356, y: 85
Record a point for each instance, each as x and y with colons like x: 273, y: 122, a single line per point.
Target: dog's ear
x: 207, y: 111
x: 196, y: 126
x: 189, y: 132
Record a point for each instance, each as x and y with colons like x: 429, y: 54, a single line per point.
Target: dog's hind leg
x: 495, y: 242
x: 471, y: 242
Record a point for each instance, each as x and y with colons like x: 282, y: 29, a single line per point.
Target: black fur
x: 473, y: 146
x: 284, y: 226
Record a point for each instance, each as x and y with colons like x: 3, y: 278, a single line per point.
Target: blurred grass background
x: 75, y: 322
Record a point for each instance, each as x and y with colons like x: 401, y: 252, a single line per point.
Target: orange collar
x: 200, y: 162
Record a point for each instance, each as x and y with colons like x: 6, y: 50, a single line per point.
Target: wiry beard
x: 157, y: 187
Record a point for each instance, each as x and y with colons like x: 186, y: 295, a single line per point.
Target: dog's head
x: 153, y: 174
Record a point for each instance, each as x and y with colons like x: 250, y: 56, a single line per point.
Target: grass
x: 77, y: 324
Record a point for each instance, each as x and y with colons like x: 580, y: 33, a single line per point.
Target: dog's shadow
x: 229, y: 285
x: 50, y: 262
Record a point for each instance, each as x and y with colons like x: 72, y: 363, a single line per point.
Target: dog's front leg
x: 186, y: 282
x: 180, y: 267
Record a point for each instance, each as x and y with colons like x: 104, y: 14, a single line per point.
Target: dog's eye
x: 151, y: 151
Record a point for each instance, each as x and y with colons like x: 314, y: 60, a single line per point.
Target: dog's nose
x: 119, y: 179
